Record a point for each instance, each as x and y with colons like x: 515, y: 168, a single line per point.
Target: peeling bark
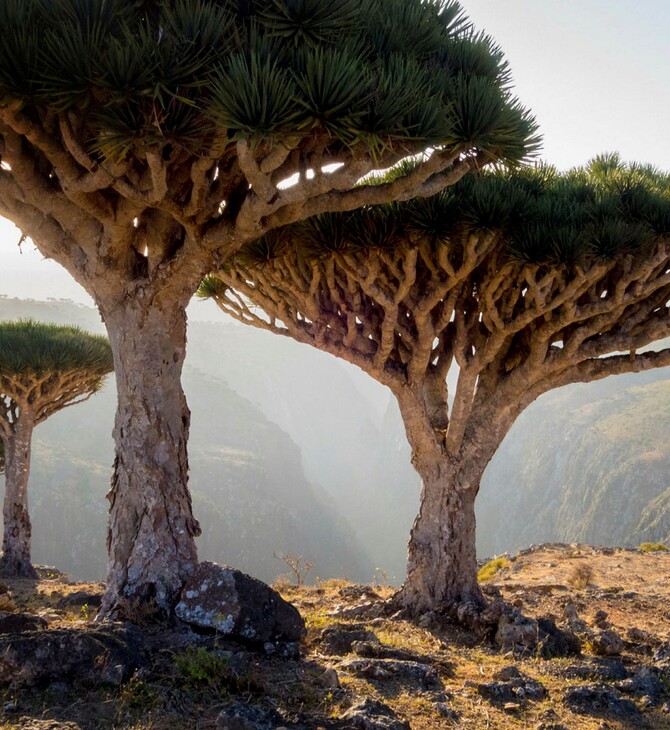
x: 442, y: 559
x: 152, y: 530
x: 15, y: 561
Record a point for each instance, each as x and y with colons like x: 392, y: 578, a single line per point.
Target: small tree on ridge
x: 43, y: 369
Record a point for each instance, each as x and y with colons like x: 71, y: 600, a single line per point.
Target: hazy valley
x: 294, y: 451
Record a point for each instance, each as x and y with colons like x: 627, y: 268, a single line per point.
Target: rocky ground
x: 358, y: 667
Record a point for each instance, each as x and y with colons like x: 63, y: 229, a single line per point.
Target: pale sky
x: 594, y: 72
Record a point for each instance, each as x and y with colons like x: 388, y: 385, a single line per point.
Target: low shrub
x: 652, y: 547
x: 491, y: 569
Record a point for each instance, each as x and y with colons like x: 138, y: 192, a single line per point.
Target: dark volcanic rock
x: 602, y: 670
x: 601, y: 699
x: 106, y: 655
x: 359, y: 593
x: 511, y: 685
x: 375, y: 650
x: 241, y: 716
x: 557, y: 642
x: 608, y: 643
x: 239, y: 606
x: 526, y: 635
x: 413, y: 674
x: 14, y: 623
x: 338, y: 639
x: 646, y: 681
x: 662, y: 655
x: 373, y: 715
x: 80, y: 598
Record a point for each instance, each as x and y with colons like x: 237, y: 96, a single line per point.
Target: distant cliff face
x: 590, y: 463
x: 346, y: 424
x: 292, y: 451
x: 249, y: 489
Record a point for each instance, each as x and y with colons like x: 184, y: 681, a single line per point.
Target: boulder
x: 511, y: 685
x: 526, y: 635
x: 14, y: 623
x: 661, y: 656
x: 373, y: 715
x: 647, y: 682
x: 80, y: 598
x: 375, y: 650
x: 105, y: 655
x: 338, y: 639
x: 557, y: 642
x: 236, y: 605
x: 601, y: 699
x: 329, y: 679
x: 516, y: 633
x: 358, y: 592
x: 607, y: 643
x: 412, y: 674
x: 602, y: 670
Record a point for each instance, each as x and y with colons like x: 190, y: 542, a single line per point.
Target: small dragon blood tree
x: 43, y: 369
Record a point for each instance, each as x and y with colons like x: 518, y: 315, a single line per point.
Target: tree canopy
x: 38, y: 348
x: 474, y: 276
x: 512, y: 281
x: 166, y: 120
x: 44, y: 367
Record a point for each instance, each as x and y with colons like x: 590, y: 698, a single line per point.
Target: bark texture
x: 442, y: 560
x: 15, y: 561
x: 152, y: 530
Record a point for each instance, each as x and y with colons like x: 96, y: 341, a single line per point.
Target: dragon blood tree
x: 519, y: 282
x: 143, y: 142
x: 43, y: 369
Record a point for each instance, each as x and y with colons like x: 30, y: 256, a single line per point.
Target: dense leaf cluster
x: 600, y: 211
x: 38, y: 348
x: 143, y: 73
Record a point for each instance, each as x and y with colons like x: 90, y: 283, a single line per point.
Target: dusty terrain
x: 426, y: 678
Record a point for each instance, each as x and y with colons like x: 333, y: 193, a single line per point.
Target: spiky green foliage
x: 597, y: 212
x: 150, y: 73
x: 36, y: 348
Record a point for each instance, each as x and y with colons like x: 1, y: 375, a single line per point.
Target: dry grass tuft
x: 581, y: 576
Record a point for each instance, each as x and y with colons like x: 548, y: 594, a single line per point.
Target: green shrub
x: 652, y: 547
x: 202, y: 666
x: 491, y: 569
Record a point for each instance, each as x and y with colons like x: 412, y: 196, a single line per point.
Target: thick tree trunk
x: 15, y: 561
x: 151, y: 525
x: 442, y: 558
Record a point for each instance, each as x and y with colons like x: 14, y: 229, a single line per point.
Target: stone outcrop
x: 238, y: 606
x: 371, y: 714
x: 106, y: 655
